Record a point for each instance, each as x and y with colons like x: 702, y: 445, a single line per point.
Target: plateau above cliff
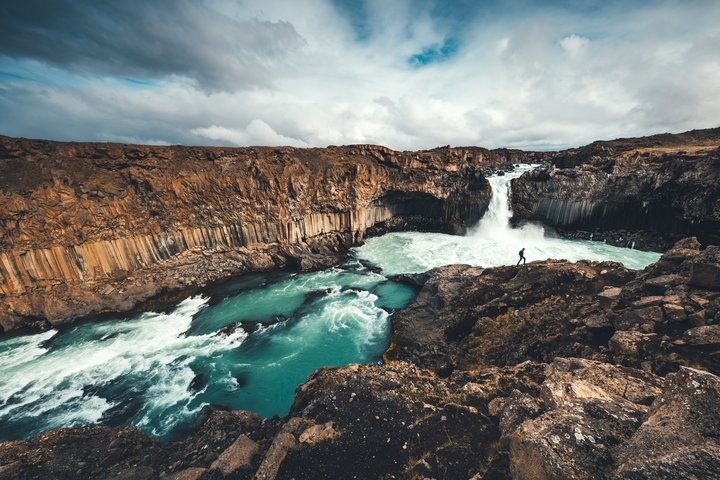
x: 86, y: 228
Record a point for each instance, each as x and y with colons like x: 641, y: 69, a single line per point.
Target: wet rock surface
x: 545, y: 371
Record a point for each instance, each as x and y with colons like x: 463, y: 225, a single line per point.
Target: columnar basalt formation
x: 647, y: 192
x: 92, y: 227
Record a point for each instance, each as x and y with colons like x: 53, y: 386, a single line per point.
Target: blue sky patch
x: 358, y: 16
x: 435, y: 53
x: 14, y: 76
x: 138, y: 83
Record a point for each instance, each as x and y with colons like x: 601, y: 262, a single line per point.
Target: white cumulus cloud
x: 271, y: 73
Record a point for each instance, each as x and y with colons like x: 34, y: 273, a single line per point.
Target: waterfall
x: 495, y: 224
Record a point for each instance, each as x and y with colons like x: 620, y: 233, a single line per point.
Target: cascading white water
x: 492, y: 242
x: 495, y: 223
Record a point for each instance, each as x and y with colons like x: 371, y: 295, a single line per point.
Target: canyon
x: 548, y: 370
x: 88, y: 229
x: 99, y: 228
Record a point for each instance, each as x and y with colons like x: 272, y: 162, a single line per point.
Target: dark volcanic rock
x: 400, y: 409
x: 705, y: 269
x: 679, y: 438
x: 643, y: 192
x: 469, y: 317
x: 592, y: 408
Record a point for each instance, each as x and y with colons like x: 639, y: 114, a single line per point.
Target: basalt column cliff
x: 647, y: 192
x: 86, y: 228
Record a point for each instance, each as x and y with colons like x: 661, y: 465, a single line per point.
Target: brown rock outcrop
x: 705, y: 269
x: 679, y: 437
x: 92, y: 227
x: 237, y: 456
x: 647, y: 192
x: 469, y: 317
x: 592, y: 408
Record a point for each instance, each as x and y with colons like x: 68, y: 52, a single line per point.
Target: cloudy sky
x: 408, y: 74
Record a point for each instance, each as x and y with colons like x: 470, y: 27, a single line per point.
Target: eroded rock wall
x: 92, y: 227
x: 644, y: 192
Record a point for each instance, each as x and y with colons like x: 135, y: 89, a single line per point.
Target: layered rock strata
x: 545, y: 371
x: 91, y: 227
x: 646, y: 192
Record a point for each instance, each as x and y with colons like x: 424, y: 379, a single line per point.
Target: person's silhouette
x: 522, y: 256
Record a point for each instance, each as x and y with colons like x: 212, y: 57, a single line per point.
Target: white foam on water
x: 491, y: 243
x: 52, y: 383
x: 18, y: 351
x: 354, y: 314
x: 88, y: 411
x: 344, y: 324
x: 168, y: 398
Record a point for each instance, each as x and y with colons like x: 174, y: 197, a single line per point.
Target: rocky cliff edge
x: 644, y: 192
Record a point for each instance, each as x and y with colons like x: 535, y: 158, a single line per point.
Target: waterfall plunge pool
x: 251, y: 343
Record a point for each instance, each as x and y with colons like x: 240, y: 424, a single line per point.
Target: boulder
x: 275, y: 455
x: 514, y: 410
x: 632, y: 344
x: 598, y: 322
x: 706, y: 335
x: 648, y: 301
x: 593, y: 407
x: 636, y: 317
x: 609, y: 296
x: 237, y: 456
x: 192, y: 473
x: 660, y: 284
x: 319, y: 433
x: 674, y: 312
x: 705, y: 269
x: 572, y: 379
x: 679, y: 439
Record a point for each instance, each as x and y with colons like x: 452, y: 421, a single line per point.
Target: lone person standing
x: 522, y: 256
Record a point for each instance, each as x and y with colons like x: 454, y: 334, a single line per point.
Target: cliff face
x: 92, y: 227
x: 648, y: 191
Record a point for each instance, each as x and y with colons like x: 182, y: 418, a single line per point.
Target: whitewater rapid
x: 249, y: 343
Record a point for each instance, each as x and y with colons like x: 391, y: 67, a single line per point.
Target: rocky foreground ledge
x: 551, y: 370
